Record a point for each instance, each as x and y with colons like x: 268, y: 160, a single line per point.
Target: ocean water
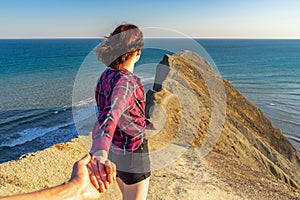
x: 267, y: 72
x: 37, y: 78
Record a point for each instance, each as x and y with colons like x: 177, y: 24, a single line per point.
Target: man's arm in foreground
x: 78, y: 187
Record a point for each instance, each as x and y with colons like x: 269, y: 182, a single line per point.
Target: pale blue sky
x: 195, y: 18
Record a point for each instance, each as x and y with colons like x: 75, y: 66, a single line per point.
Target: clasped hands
x: 102, y: 172
x: 92, y: 175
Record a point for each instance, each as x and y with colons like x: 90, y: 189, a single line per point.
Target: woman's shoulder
x: 113, y: 76
x: 119, y: 76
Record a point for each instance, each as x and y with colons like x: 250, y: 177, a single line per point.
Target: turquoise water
x: 37, y: 78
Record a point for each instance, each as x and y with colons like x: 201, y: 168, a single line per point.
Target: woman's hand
x: 80, y: 178
x: 102, y: 172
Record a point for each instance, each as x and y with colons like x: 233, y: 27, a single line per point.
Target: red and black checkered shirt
x: 121, y: 112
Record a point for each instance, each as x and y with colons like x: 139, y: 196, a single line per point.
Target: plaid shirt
x: 121, y: 112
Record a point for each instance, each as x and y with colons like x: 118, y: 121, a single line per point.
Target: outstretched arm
x: 78, y: 187
x: 104, y: 129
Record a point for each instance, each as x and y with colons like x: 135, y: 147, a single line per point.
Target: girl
x: 119, y: 133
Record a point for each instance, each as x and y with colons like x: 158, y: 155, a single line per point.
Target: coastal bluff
x: 231, y: 150
x: 246, y: 132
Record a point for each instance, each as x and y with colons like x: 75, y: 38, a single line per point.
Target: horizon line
x: 250, y: 38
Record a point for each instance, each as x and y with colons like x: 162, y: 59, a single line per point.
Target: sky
x: 193, y: 18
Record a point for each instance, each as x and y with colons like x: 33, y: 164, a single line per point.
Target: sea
x: 46, y: 85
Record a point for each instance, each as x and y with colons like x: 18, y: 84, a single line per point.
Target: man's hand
x: 80, y: 178
x: 102, y: 172
x: 79, y: 186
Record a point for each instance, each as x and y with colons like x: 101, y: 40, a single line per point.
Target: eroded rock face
x: 191, y: 105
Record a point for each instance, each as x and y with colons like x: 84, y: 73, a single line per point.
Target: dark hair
x: 120, y: 45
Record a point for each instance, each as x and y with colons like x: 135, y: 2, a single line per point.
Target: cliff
x: 210, y: 142
x: 224, y: 117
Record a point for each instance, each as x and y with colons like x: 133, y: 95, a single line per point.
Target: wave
x: 21, y: 116
x: 84, y: 118
x: 294, y: 138
x: 280, y: 108
x: 30, y: 134
x: 286, y: 121
x: 85, y: 102
x: 295, y: 141
x: 62, y: 109
x: 148, y: 80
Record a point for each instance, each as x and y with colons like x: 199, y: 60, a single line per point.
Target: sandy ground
x: 216, y: 176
